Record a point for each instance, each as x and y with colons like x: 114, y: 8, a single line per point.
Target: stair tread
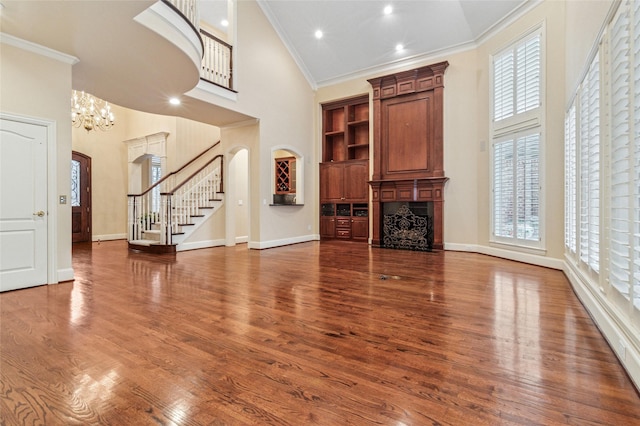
x: 151, y: 231
x: 144, y: 242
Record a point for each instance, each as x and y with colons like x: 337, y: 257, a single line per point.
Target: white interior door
x: 23, y: 204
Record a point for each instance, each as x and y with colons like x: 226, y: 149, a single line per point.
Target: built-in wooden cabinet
x: 344, y: 171
x: 344, y: 181
x: 345, y: 221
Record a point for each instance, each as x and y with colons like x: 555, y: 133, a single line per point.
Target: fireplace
x: 408, y: 226
x: 408, y: 179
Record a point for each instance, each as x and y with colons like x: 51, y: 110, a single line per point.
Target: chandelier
x: 90, y: 112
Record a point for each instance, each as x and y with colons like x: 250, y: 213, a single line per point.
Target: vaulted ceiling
x: 358, y: 39
x: 358, y: 36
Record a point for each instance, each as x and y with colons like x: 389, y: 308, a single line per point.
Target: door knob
x: 39, y: 214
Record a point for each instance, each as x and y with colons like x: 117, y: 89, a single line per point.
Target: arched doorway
x: 80, y: 197
x: 237, y: 197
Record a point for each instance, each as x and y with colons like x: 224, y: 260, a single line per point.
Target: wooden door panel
x: 355, y: 181
x: 407, y: 133
x: 331, y: 182
x: 360, y: 228
x: 327, y: 227
x: 80, y: 197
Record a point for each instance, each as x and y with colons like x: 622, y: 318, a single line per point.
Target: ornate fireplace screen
x: 403, y: 229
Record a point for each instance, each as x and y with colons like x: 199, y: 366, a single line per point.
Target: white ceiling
x: 359, y: 37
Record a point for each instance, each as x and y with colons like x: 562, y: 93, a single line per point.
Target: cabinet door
x: 328, y: 227
x: 355, y: 181
x: 360, y: 228
x: 331, y: 182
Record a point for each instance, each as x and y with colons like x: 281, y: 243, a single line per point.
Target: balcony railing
x: 188, y: 9
x: 217, y: 63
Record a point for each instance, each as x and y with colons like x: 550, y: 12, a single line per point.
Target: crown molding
x: 37, y: 49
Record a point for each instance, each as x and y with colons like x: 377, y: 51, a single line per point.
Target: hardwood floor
x: 327, y: 333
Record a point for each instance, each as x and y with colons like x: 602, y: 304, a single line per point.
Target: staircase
x: 165, y: 215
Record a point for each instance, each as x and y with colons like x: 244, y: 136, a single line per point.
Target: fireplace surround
x: 408, y: 146
x: 408, y: 226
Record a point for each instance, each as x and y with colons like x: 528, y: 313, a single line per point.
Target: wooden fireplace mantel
x: 409, y: 190
x: 408, y: 143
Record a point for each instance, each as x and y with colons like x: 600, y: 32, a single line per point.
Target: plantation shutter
x: 528, y: 187
x: 516, y: 79
x: 636, y: 153
x: 620, y: 191
x: 590, y: 167
x: 528, y: 75
x: 570, y: 179
x: 503, y: 189
x: 517, y: 187
x: 517, y: 131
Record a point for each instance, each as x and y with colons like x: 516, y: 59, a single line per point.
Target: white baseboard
x: 615, y: 332
x: 284, y: 242
x: 65, y: 275
x: 532, y: 259
x: 242, y: 240
x: 109, y: 237
x: 200, y: 245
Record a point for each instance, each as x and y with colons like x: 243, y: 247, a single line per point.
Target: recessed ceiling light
x: 399, y: 47
x: 224, y: 23
x: 174, y: 101
x: 388, y: 9
x: 318, y: 34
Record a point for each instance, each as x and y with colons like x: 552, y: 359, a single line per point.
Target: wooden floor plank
x: 325, y: 333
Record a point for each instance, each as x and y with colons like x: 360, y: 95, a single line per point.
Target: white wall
x: 272, y: 89
x: 39, y: 86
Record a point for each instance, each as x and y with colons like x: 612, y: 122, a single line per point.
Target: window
x: 517, y: 142
x: 75, y: 183
x: 624, y: 197
x: 516, y: 79
x: 602, y: 163
x: 156, y: 175
x: 517, y: 187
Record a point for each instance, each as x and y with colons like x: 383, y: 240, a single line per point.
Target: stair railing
x: 187, y: 199
x: 146, y: 210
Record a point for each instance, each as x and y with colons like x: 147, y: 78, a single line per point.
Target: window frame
x: 514, y: 126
